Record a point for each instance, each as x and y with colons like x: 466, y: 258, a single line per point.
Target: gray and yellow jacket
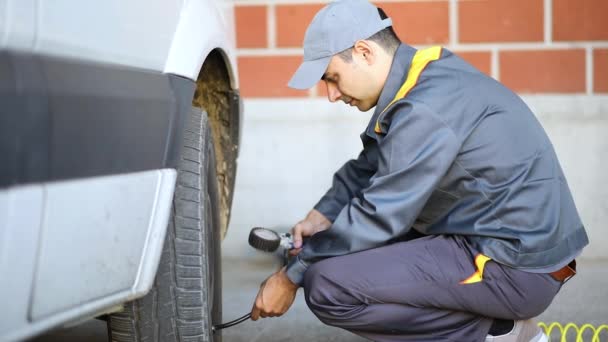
x: 449, y: 150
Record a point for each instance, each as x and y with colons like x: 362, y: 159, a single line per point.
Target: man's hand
x: 275, y: 296
x: 312, y: 224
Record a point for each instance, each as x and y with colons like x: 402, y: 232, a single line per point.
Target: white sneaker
x: 523, y: 331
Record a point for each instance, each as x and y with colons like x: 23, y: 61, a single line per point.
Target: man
x: 455, y: 223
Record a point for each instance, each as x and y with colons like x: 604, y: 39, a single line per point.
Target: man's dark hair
x: 386, y: 38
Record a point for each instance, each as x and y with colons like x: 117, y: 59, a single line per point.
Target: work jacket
x: 450, y: 150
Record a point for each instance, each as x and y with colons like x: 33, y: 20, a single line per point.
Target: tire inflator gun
x: 265, y: 240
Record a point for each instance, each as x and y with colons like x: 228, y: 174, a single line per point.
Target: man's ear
x: 365, y: 50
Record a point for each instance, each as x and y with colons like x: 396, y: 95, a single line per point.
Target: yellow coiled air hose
x: 573, y: 333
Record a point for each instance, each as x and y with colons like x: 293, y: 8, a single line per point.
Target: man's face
x: 351, y: 82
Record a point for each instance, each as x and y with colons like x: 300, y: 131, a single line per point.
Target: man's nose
x: 333, y: 93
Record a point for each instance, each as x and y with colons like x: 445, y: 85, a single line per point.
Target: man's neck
x: 384, y: 68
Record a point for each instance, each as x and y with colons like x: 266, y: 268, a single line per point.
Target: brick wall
x: 532, y: 46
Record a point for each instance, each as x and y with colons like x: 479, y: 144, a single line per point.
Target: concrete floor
x: 583, y: 300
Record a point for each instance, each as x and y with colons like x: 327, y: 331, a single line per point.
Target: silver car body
x: 75, y: 245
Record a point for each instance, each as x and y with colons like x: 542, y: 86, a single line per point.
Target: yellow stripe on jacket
x: 421, y: 59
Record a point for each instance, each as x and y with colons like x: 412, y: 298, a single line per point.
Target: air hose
x: 567, y: 330
x: 231, y: 323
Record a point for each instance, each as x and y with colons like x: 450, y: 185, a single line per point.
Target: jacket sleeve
x: 415, y: 154
x: 347, y: 183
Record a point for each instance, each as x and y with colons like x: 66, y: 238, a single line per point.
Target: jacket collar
x: 396, y: 76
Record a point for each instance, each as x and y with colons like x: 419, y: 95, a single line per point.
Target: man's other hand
x: 312, y: 224
x: 275, y: 297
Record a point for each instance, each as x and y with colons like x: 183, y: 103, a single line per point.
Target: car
x: 119, y: 133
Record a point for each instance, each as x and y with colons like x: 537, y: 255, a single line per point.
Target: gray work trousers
x: 411, y: 291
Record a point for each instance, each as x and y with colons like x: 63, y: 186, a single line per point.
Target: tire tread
x: 176, y: 307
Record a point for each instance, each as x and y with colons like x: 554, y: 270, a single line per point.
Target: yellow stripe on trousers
x: 480, y: 263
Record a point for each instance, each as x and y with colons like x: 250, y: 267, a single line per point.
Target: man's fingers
x: 297, y: 235
x: 255, y: 313
x: 275, y: 296
x: 258, y: 304
x: 295, y: 251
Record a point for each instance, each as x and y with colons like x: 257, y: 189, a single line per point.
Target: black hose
x: 231, y: 323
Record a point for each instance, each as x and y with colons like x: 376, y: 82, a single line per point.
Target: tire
x: 186, y: 298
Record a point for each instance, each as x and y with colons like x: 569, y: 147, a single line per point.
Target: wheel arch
x: 204, y: 27
x: 215, y: 95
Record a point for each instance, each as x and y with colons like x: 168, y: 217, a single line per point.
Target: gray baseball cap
x: 335, y: 28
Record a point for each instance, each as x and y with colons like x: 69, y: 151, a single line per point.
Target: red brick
x: 554, y: 71
x: 292, y: 22
x: 500, y: 21
x: 420, y: 22
x: 580, y: 20
x: 482, y: 60
x: 267, y: 76
x: 251, y: 26
x: 600, y: 70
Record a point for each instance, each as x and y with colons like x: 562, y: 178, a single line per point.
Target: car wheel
x: 186, y: 299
